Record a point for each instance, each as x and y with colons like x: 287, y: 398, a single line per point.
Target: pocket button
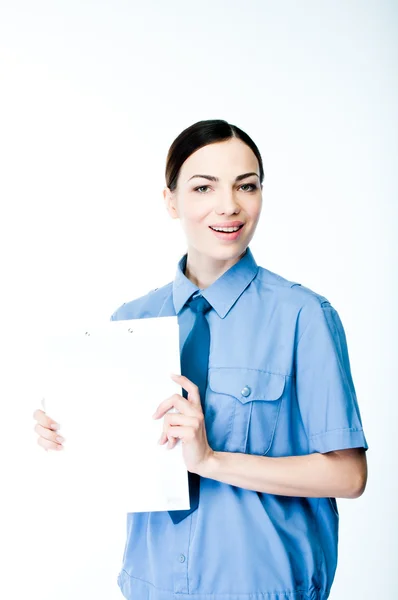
x: 246, y: 391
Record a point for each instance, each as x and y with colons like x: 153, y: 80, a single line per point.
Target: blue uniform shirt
x: 279, y: 384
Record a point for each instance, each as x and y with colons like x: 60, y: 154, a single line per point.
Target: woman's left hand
x: 188, y: 425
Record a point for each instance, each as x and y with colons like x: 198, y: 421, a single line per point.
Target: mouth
x: 228, y: 235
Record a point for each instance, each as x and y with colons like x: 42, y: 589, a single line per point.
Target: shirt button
x: 246, y: 391
x: 182, y: 558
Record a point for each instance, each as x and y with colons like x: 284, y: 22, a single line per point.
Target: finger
x: 173, y: 419
x: 165, y: 438
x: 165, y: 406
x: 53, y: 436
x: 48, y: 445
x: 171, y: 443
x: 186, y: 434
x: 45, y: 421
x: 188, y: 386
x: 180, y: 419
x: 168, y: 438
x: 162, y: 439
x: 184, y: 406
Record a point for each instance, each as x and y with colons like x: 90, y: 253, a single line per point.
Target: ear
x: 170, y: 202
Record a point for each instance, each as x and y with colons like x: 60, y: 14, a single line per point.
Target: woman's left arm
x: 337, y: 474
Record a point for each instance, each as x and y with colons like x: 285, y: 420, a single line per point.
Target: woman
x: 277, y: 433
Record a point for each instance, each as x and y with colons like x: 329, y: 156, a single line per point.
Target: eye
x: 253, y: 185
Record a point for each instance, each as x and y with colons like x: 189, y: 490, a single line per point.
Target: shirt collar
x: 223, y: 292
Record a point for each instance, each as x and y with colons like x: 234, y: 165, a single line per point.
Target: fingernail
x: 54, y: 426
x: 59, y: 438
x: 60, y: 447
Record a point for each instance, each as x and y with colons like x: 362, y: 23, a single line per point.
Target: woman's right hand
x: 47, y: 430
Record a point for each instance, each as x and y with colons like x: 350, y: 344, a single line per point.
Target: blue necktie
x: 194, y: 366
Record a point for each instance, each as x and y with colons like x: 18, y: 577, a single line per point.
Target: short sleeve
x: 324, y: 387
x: 116, y: 315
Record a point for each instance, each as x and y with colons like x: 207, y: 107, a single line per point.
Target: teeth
x: 227, y: 229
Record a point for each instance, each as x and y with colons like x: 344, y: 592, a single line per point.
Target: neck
x: 203, y: 270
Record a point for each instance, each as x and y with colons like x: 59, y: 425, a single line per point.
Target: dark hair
x: 198, y: 135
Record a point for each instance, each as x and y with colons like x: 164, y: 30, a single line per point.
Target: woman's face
x: 200, y: 202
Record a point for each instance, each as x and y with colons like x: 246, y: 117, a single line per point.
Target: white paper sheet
x: 103, y: 385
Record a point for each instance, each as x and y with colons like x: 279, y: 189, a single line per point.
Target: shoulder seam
x: 322, y: 304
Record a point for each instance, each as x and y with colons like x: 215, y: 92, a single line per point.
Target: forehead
x: 223, y: 159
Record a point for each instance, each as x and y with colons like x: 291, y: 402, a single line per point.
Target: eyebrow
x: 213, y: 178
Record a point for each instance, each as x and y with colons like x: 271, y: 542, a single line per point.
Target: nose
x: 226, y: 203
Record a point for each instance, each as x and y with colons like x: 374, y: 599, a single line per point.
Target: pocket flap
x: 246, y: 384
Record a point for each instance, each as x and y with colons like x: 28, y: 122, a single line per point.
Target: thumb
x: 189, y: 386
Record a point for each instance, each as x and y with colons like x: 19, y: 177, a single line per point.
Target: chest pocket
x: 242, y: 409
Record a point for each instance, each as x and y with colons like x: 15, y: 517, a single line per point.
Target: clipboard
x: 102, y: 384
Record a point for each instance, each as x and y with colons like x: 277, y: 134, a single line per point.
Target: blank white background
x: 92, y: 95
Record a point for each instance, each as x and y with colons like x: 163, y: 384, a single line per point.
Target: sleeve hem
x: 338, y: 439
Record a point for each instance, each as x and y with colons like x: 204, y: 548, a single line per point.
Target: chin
x: 228, y: 252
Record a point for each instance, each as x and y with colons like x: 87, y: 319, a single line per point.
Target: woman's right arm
x: 47, y: 430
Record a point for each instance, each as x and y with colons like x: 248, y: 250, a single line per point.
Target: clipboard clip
x: 130, y: 330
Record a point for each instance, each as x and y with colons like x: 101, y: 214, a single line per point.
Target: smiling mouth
x: 221, y: 231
